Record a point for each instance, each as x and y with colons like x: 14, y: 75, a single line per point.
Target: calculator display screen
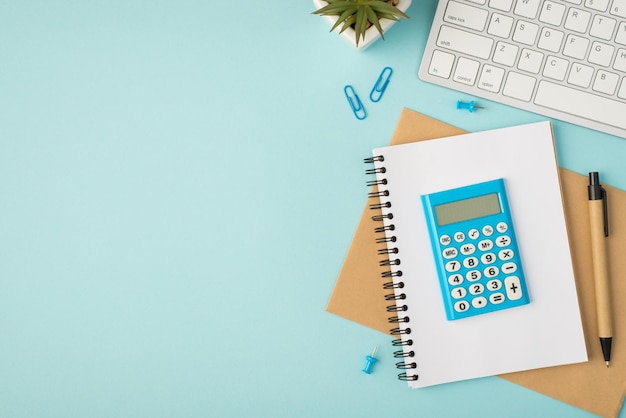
x: 464, y: 210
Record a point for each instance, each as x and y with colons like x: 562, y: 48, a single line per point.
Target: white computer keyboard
x: 565, y: 59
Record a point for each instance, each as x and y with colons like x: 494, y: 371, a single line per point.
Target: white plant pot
x: 371, y: 34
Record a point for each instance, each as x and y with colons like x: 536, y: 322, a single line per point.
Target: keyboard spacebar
x: 580, y: 103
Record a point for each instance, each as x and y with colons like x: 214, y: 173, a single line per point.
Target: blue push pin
x: 467, y: 105
x: 371, y: 359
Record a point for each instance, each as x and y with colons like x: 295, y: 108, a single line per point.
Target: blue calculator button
x: 485, y: 245
x: 513, y: 289
x: 491, y: 271
x: 494, y: 285
x: 455, y: 279
x: 496, y: 298
x: 509, y: 268
x: 459, y: 293
x: 470, y: 262
x: 488, y: 258
x: 506, y: 254
x: 450, y: 252
x: 461, y: 306
x: 479, y: 302
x: 467, y: 249
x: 473, y: 275
x: 503, y: 241
x: 453, y: 266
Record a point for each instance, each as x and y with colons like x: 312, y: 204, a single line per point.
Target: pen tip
x: 607, y: 364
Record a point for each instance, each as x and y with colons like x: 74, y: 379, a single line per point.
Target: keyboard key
x: 600, y: 5
x: 552, y: 13
x: 519, y: 86
x: 577, y: 20
x: 618, y: 8
x: 555, y: 68
x: 525, y: 32
x: 550, y: 39
x: 581, y: 103
x: 500, y: 25
x: 466, y: 71
x: 504, y: 5
x: 580, y: 75
x: 530, y: 61
x: 620, y: 60
x: 605, y: 82
x: 527, y: 8
x: 465, y: 15
x: 575, y: 46
x: 491, y: 78
x: 601, y: 54
x: 505, y: 54
x: 441, y: 64
x: 620, y: 38
x: 602, y: 27
x: 465, y: 42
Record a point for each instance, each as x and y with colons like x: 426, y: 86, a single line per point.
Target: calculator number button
x: 506, y: 254
x: 479, y: 302
x: 503, y: 241
x: 455, y: 279
x: 473, y: 233
x: 476, y: 289
x: 488, y: 258
x: 491, y: 271
x: 461, y: 306
x: 452, y: 266
x: 513, y: 289
x: 468, y: 249
x: 485, y: 245
x: 450, y: 253
x: 494, y: 285
x: 445, y: 240
x: 473, y: 275
x: 458, y: 293
x: 496, y: 298
x: 470, y: 262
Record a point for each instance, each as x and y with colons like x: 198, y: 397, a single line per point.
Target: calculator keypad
x: 480, y: 267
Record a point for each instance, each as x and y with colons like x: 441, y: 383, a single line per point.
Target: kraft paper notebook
x: 359, y: 296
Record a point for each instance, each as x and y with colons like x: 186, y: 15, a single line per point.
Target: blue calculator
x: 475, y: 249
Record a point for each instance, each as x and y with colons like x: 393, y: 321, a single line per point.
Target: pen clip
x: 605, y: 206
x: 381, y: 84
x: 355, y: 103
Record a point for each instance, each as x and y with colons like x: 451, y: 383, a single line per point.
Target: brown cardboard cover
x: 358, y: 294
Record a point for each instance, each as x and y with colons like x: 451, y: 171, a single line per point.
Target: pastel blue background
x: 179, y: 184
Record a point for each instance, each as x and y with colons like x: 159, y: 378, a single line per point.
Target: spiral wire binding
x: 391, y: 260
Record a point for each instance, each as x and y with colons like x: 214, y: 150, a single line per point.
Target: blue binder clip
x: 381, y: 84
x: 355, y: 103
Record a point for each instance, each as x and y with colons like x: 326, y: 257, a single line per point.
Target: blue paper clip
x: 355, y: 103
x: 381, y: 84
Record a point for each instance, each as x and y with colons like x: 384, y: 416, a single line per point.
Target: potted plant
x: 361, y: 22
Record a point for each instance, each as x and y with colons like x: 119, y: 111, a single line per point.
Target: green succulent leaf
x: 360, y: 15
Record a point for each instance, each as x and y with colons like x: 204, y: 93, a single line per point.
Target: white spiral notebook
x: 547, y: 331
